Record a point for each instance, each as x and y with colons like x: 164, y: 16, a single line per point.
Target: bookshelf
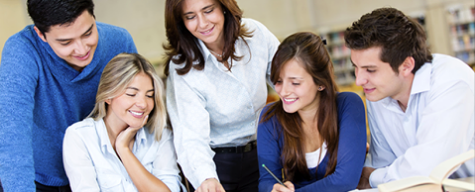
x: 462, y: 32
x: 340, y: 54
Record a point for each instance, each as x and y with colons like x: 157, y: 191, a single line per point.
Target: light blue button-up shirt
x: 215, y: 107
x: 91, y: 163
x: 438, y: 124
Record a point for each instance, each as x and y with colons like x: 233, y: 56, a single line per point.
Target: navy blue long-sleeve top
x: 350, y: 157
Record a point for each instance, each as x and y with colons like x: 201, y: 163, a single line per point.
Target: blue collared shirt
x: 438, y: 123
x: 91, y: 163
x: 215, y: 107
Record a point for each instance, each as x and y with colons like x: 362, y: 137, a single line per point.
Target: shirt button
x: 249, y: 107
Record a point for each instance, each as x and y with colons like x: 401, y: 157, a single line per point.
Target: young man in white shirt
x: 420, y: 106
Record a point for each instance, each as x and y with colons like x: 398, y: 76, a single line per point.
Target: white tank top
x: 313, y: 158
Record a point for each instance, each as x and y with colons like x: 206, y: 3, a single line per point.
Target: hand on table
x: 210, y: 185
x: 364, y: 180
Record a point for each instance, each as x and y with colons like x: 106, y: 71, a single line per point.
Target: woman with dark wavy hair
x: 218, y: 66
x: 313, y: 138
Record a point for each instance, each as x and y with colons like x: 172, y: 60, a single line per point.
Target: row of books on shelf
x: 339, y: 51
x: 340, y: 54
x: 336, y: 38
x: 342, y: 65
x: 463, y: 43
x: 465, y: 28
x: 461, y: 14
x: 462, y: 29
x: 344, y: 78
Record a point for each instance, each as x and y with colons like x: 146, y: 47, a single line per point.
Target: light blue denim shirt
x: 91, y: 163
x: 215, y: 107
x: 438, y: 124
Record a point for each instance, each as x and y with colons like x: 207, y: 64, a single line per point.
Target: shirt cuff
x: 202, y: 173
x: 376, y: 177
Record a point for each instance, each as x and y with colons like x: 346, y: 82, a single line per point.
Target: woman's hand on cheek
x: 125, y: 138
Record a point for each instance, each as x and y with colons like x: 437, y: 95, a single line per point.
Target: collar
x: 141, y: 136
x: 421, y: 82
x: 106, y: 146
x: 204, y: 49
x: 391, y: 104
x: 210, y: 57
x: 104, y: 141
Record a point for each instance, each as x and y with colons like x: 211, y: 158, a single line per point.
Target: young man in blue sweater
x: 49, y: 75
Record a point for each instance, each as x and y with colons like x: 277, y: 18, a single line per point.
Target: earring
x: 224, y: 12
x: 320, y: 88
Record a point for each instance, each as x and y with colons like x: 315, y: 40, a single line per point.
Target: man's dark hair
x: 398, y: 35
x: 46, y: 13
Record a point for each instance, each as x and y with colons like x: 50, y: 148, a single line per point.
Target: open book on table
x: 435, y: 180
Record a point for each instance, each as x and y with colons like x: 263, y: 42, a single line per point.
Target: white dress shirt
x: 215, y: 107
x: 438, y: 123
x: 91, y: 163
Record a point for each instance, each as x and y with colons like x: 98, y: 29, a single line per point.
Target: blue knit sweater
x: 350, y: 155
x: 40, y: 96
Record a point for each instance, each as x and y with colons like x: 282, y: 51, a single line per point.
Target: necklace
x: 219, y: 55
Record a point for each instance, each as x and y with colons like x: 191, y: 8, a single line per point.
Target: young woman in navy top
x: 313, y: 138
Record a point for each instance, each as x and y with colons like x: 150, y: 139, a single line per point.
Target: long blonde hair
x: 119, y: 73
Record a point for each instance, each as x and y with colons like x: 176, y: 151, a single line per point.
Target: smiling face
x: 74, y: 42
x: 130, y: 108
x: 296, y: 88
x: 376, y: 77
x: 205, y: 20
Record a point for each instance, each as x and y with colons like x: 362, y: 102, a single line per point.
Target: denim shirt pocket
x: 109, y: 182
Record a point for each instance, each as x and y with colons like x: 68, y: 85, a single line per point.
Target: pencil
x: 270, y: 172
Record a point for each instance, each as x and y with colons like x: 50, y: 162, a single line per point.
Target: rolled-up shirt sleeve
x: 191, y: 127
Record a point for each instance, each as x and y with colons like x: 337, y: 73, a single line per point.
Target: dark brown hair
x: 56, y: 12
x: 182, y: 46
x: 309, y: 50
x: 399, y: 36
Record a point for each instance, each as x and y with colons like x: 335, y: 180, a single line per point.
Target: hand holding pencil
x: 279, y: 186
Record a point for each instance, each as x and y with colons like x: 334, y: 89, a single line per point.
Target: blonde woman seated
x: 123, y: 145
